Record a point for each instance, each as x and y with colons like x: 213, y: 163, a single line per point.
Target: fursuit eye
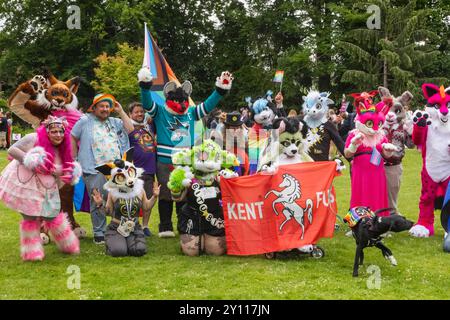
x: 437, y: 106
x: 448, y: 105
x: 369, y: 123
x: 54, y: 93
x: 119, y: 178
x: 65, y: 94
x: 286, y: 143
x: 132, y: 172
x: 298, y: 142
x: 380, y: 123
x: 318, y: 106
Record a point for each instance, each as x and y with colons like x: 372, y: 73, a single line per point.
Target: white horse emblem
x: 287, y: 198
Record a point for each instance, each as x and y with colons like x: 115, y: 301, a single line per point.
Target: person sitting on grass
x: 126, y: 196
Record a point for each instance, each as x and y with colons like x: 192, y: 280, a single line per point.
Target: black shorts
x: 193, y: 223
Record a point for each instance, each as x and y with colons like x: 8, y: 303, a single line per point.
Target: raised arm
x: 127, y: 124
x: 147, y: 204
x: 223, y: 85
x: 145, y: 78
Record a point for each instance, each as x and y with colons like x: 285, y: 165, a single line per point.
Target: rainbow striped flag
x: 279, y: 74
x: 160, y: 69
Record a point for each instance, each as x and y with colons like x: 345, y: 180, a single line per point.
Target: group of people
x: 155, y: 153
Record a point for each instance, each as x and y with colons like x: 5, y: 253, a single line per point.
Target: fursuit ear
x: 105, y: 169
x: 73, y: 84
x: 128, y: 155
x: 406, y: 98
x: 384, y: 92
x: 187, y: 88
x: 429, y: 90
x: 169, y: 87
x: 373, y: 93
x: 51, y: 79
x: 278, y: 123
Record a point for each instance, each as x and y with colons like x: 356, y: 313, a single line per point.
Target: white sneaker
x: 307, y: 248
x: 349, y: 234
x: 166, y: 234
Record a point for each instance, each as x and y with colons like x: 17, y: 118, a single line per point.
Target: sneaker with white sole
x: 166, y: 234
x: 99, y: 240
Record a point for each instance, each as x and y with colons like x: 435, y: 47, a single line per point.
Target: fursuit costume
x: 34, y: 100
x: 264, y: 111
x: 368, y: 145
x: 321, y: 131
x: 397, y: 130
x: 124, y: 235
x: 29, y: 184
x: 196, y: 178
x: 431, y: 133
x: 174, y: 123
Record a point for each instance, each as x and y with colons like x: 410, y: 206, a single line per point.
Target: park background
x: 325, y: 44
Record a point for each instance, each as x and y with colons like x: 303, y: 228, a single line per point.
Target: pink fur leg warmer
x: 31, y: 248
x: 63, y: 235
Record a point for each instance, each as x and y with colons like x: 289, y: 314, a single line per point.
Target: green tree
x: 397, y: 55
x: 117, y: 74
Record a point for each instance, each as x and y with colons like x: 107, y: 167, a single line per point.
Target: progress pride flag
x: 267, y: 213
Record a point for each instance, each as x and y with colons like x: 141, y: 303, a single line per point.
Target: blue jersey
x: 175, y: 132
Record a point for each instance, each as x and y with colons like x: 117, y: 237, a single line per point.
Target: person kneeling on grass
x: 196, y: 181
x: 126, y: 196
x: 29, y: 184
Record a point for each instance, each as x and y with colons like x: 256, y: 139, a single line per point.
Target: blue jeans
x: 96, y: 181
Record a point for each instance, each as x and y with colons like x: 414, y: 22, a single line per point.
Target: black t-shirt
x: 198, y: 196
x: 318, y: 141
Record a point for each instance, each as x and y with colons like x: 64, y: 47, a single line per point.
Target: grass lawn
x: 164, y: 273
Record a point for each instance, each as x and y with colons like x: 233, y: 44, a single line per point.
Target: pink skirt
x: 29, y: 193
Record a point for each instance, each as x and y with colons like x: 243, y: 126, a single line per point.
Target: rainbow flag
x: 160, y: 69
x: 279, y: 74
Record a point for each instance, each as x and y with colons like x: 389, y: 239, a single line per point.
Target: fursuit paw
x: 421, y: 118
x: 72, y: 174
x: 80, y: 232
x: 355, y: 142
x: 145, y: 78
x: 389, y: 147
x: 38, y: 160
x: 223, y: 83
x: 419, y: 231
x: 227, y: 174
x: 339, y: 165
x: 38, y: 83
x: 45, y: 239
x: 269, y: 169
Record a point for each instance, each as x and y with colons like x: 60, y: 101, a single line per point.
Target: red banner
x: 268, y: 213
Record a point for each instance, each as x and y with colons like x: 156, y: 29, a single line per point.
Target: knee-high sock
x: 30, y: 240
x: 62, y: 233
